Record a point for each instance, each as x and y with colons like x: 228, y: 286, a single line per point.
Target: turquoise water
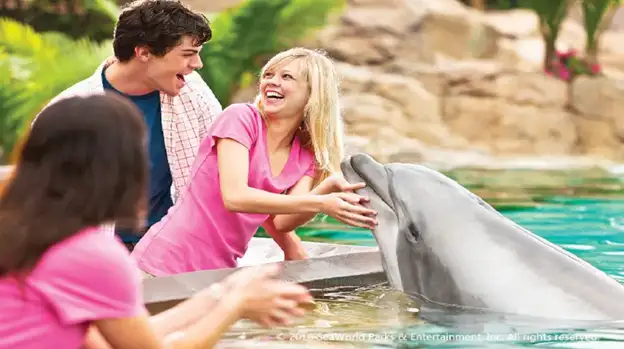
x: 582, y: 211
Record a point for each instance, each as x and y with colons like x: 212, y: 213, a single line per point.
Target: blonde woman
x: 288, y: 142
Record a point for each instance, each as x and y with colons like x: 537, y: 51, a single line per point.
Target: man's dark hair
x: 159, y: 25
x: 83, y: 164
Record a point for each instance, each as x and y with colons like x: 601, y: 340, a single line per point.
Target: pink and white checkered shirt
x: 185, y: 120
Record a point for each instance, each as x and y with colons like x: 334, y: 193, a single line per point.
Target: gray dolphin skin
x: 446, y: 247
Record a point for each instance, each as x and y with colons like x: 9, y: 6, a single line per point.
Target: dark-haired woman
x: 65, y: 284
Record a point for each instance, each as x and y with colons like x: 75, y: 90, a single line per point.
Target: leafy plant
x: 10, y: 99
x: 35, y: 67
x: 551, y: 14
x: 93, y: 19
x: 107, y: 8
x: 568, y: 65
x: 245, y: 36
x: 594, y: 12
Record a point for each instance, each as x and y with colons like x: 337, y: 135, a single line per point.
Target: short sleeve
x: 238, y: 122
x: 90, y: 279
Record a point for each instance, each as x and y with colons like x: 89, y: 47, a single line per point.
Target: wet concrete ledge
x: 330, y: 265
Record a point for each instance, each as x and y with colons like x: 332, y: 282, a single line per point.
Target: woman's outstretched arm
x: 253, y: 293
x: 166, y: 324
x: 137, y: 332
x: 287, y: 222
x: 233, y: 162
x: 239, y: 197
x: 332, y: 184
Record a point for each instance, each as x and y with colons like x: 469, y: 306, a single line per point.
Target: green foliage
x: 247, y: 35
x: 35, y: 67
x: 10, y: 99
x: 106, y: 8
x: 594, y: 12
x: 240, y: 35
x: 551, y: 14
x: 93, y: 19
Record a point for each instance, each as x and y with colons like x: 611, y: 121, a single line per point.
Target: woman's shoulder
x: 242, y: 114
x: 87, y: 265
x: 244, y: 110
x: 237, y: 120
x: 90, y: 248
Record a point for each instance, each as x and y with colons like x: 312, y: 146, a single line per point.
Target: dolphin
x: 448, y: 249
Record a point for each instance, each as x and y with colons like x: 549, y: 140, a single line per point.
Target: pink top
x: 86, y: 277
x: 198, y: 232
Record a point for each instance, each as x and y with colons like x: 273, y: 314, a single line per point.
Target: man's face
x: 167, y: 73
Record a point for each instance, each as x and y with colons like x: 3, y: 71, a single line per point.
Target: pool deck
x: 329, y: 265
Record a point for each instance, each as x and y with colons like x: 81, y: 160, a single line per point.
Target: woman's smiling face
x: 284, y: 91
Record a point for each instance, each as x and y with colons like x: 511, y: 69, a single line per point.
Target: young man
x: 156, y: 45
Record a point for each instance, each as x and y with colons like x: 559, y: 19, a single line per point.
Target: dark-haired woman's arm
x: 169, y: 325
x: 186, y: 313
x: 253, y: 293
x: 137, y: 332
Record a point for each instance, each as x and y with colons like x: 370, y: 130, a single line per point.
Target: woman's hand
x: 263, y: 298
x: 348, y: 208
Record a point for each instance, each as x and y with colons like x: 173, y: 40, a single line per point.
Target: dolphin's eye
x: 413, y: 234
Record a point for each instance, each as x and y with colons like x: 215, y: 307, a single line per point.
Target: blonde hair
x: 323, y: 124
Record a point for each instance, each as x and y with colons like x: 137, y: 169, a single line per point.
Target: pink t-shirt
x: 86, y: 277
x: 198, y: 232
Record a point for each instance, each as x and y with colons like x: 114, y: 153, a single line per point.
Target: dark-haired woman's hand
x: 348, y: 208
x: 265, y: 299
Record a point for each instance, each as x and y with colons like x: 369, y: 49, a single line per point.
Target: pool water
x: 582, y: 211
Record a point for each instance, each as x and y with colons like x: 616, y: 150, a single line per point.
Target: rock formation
x: 426, y: 78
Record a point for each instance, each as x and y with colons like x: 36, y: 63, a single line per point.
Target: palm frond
x: 35, y: 68
x: 11, y: 97
x: 255, y: 30
x: 22, y: 40
x: 105, y: 7
x: 242, y: 33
